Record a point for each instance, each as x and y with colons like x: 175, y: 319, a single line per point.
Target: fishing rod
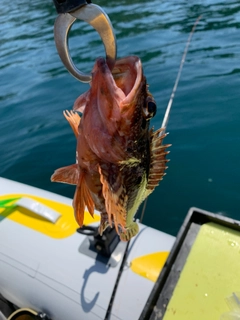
x: 170, y: 102
x: 167, y: 112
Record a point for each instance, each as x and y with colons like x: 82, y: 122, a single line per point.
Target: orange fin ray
x: 82, y: 198
x: 88, y: 199
x: 73, y: 119
x: 115, y: 201
x: 158, y: 160
x: 69, y: 174
x: 79, y: 206
x: 104, y: 224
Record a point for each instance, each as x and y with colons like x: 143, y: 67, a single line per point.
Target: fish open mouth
x: 127, y: 74
x: 119, y: 87
x: 124, y: 80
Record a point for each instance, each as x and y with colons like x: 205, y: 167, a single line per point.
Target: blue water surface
x: 204, y: 127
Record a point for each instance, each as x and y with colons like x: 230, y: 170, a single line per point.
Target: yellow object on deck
x: 149, y: 266
x: 64, y: 227
x: 210, y: 274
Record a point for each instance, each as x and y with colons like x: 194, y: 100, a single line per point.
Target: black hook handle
x: 64, y: 6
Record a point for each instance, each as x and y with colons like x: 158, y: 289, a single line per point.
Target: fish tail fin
x: 69, y: 174
x: 82, y: 198
x: 73, y: 119
x: 129, y: 232
x: 103, y: 223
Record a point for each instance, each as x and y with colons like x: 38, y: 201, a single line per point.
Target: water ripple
x: 204, y: 123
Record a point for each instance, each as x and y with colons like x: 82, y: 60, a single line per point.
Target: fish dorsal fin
x: 82, y: 198
x: 69, y: 174
x: 73, y: 119
x: 115, y: 199
x: 158, y: 160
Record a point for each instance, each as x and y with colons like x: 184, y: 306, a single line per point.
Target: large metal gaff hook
x: 98, y: 19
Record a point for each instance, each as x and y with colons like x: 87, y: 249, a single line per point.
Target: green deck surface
x: 210, y: 275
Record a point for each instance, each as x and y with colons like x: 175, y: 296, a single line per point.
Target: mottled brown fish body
x: 119, y: 160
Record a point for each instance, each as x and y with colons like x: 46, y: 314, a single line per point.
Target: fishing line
x: 109, y: 309
x: 143, y: 210
x: 167, y: 112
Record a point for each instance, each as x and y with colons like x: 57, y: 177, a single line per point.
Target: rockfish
x: 119, y: 159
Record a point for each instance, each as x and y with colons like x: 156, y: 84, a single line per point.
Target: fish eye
x: 150, y: 108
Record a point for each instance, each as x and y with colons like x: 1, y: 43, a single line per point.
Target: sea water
x: 204, y: 126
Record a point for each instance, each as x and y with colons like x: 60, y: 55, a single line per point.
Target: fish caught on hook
x: 119, y: 159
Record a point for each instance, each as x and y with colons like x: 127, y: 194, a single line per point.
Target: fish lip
x: 139, y: 75
x: 101, y: 65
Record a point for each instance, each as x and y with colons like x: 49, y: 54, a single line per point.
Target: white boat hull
x: 42, y: 268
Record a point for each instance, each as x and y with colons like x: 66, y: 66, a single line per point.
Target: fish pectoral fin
x: 73, y: 119
x: 69, y: 174
x: 81, y: 101
x: 82, y: 198
x: 158, y: 161
x: 115, y: 200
